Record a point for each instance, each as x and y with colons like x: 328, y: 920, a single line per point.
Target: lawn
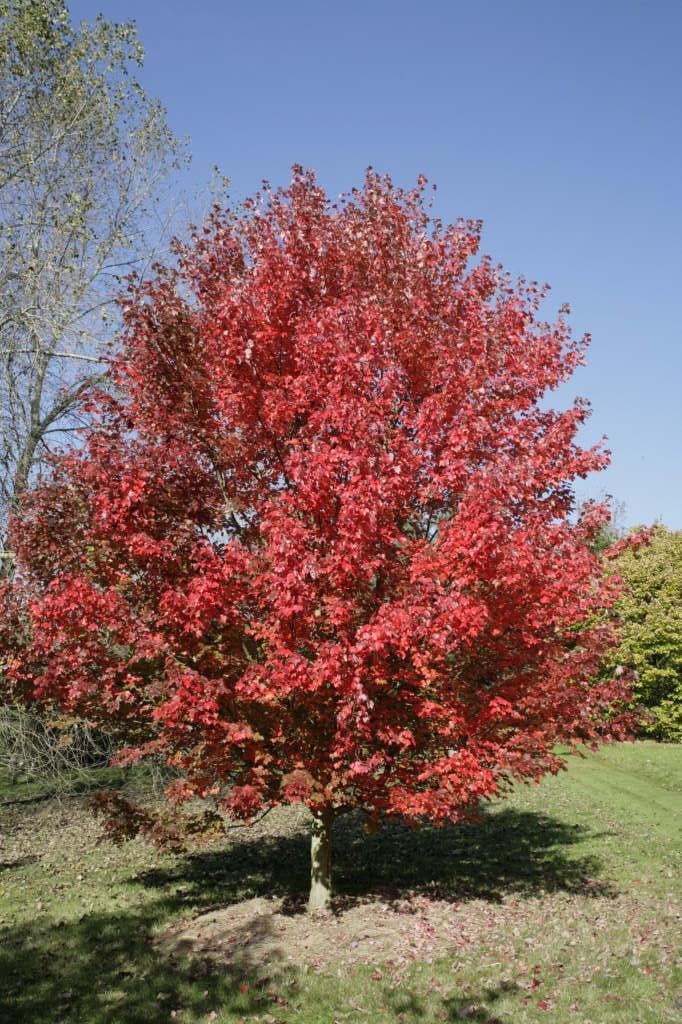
x: 562, y: 905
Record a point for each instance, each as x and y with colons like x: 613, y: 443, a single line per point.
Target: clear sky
x: 557, y: 123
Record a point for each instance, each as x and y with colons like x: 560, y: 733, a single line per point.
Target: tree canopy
x: 317, y: 543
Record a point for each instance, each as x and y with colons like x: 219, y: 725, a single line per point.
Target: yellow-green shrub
x: 651, y: 616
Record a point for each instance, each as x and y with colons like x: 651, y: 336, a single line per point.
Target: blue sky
x: 558, y: 124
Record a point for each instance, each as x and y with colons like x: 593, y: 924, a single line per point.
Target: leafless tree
x: 86, y: 158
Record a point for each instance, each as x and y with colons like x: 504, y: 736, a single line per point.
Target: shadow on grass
x: 104, y: 968
x: 509, y: 851
x: 476, y: 1007
x: 68, y: 785
x: 21, y: 862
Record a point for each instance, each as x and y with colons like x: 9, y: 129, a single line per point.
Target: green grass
x: 568, y: 894
x: 27, y: 790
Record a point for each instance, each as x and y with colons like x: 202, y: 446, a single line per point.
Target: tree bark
x: 321, y: 860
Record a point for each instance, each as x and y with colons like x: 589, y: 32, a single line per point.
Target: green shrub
x: 651, y: 615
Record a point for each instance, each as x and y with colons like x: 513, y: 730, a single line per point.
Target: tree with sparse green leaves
x: 650, y: 610
x: 85, y: 157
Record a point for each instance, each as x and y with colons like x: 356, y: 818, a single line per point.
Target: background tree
x: 318, y: 547
x: 650, y: 610
x: 84, y: 155
x: 612, y: 530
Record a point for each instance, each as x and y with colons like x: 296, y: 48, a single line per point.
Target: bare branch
x: 52, y: 353
x: 84, y: 158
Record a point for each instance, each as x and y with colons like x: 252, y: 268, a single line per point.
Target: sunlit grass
x: 569, y: 890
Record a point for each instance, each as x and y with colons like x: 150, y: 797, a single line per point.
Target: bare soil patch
x: 268, y: 931
x: 260, y: 937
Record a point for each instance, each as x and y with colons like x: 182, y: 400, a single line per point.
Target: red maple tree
x: 316, y: 545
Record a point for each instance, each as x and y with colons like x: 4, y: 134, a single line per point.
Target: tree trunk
x: 321, y: 860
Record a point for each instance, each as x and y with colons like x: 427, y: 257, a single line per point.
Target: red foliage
x: 638, y: 538
x: 168, y: 830
x: 318, y: 545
